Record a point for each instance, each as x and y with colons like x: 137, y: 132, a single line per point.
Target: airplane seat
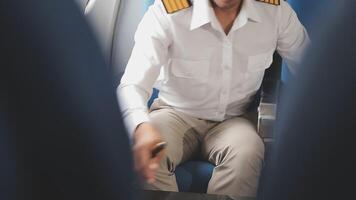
x: 101, y: 16
x: 61, y: 132
x: 306, y: 11
x: 129, y: 14
x: 314, y: 148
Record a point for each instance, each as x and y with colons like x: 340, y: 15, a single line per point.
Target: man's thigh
x: 237, y: 152
x: 182, y: 140
x: 236, y: 136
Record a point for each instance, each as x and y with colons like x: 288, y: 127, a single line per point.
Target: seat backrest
x: 315, y: 131
x: 102, y: 15
x: 130, y: 14
x: 59, y: 115
x: 115, y: 22
x: 306, y: 11
x: 82, y: 4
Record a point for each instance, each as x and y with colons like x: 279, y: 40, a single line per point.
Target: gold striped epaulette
x: 175, y: 5
x: 273, y: 2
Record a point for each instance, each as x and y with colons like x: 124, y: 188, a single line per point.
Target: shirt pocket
x: 189, y: 78
x: 260, y: 61
x: 188, y: 69
x: 255, y: 70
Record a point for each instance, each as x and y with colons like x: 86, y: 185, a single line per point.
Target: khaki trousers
x: 233, y: 146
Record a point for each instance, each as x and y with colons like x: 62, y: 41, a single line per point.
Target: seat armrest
x: 267, y: 109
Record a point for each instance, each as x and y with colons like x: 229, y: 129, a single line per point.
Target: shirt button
x: 227, y: 44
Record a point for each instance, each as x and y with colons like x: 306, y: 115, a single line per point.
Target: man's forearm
x: 133, y: 103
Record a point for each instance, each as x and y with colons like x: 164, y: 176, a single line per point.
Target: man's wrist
x: 139, y: 130
x: 135, y: 132
x: 146, y: 132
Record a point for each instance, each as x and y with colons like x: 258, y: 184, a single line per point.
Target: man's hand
x: 145, y: 139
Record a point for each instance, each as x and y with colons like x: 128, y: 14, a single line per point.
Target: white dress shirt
x: 202, y: 71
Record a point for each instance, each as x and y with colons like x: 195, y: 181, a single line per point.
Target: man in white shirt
x: 209, y: 57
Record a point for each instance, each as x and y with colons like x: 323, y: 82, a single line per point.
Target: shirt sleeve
x: 150, y: 52
x: 293, y: 38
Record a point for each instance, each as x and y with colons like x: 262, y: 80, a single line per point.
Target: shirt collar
x: 203, y: 13
x: 250, y: 10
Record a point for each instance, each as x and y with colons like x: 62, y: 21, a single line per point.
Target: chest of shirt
x: 207, y: 51
x: 207, y: 43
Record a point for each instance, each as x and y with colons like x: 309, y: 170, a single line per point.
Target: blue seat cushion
x: 194, y: 176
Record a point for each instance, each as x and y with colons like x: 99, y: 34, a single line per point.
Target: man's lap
x: 187, y: 135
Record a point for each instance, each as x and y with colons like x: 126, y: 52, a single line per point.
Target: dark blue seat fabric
x: 59, y: 121
x: 314, y: 147
x: 306, y: 10
x: 194, y: 176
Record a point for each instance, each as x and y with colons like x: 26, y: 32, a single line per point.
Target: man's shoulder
x: 171, y: 7
x: 271, y: 5
x: 269, y: 9
x: 270, y: 2
x: 158, y: 18
x: 167, y: 15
